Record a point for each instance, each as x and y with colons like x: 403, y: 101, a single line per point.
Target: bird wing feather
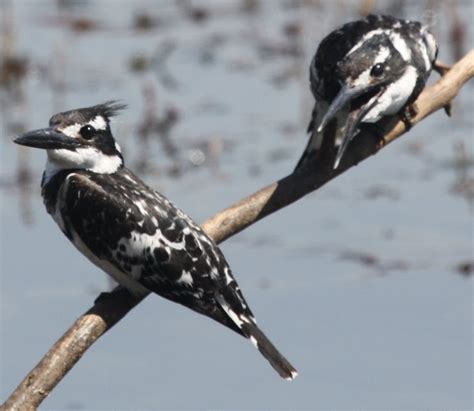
x: 142, y: 234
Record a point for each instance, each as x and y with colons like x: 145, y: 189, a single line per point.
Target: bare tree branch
x: 291, y: 188
x: 107, y: 312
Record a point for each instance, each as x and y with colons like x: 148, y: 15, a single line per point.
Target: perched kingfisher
x: 363, y: 71
x: 131, y: 231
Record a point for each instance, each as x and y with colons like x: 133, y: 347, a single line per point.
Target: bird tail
x: 246, y: 326
x: 269, y: 351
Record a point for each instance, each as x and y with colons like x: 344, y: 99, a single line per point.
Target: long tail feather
x: 269, y: 351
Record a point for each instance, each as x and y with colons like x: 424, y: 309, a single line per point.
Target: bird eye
x: 87, y: 132
x: 377, y: 70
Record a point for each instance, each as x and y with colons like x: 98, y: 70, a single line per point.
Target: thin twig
x: 106, y: 313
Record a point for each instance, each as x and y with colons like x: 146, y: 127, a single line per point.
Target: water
x: 356, y: 284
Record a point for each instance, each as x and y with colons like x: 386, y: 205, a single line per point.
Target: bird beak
x: 346, y: 97
x: 46, y: 138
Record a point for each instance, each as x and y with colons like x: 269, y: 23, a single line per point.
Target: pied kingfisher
x: 131, y: 231
x: 363, y: 71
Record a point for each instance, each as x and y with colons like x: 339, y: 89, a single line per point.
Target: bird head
x: 369, y: 69
x: 79, y: 139
x: 363, y: 76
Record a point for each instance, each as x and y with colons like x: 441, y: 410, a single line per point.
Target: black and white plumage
x: 131, y: 231
x: 363, y: 71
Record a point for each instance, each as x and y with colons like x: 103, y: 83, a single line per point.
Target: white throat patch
x: 87, y: 158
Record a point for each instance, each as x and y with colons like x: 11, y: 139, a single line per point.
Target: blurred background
x: 365, y: 285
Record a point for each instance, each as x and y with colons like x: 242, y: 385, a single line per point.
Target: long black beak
x: 46, y: 138
x: 352, y: 123
x: 344, y: 98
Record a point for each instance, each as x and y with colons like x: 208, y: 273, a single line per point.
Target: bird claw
x: 448, y: 109
x: 407, y: 115
x: 441, y: 68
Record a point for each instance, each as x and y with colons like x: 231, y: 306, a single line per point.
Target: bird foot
x: 407, y: 115
x: 441, y: 68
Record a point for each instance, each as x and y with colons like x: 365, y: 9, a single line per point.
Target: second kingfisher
x: 363, y: 71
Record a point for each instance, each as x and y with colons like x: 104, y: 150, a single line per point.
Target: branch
x: 107, y: 312
x: 291, y: 188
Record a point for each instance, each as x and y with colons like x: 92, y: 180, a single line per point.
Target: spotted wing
x: 137, y: 231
